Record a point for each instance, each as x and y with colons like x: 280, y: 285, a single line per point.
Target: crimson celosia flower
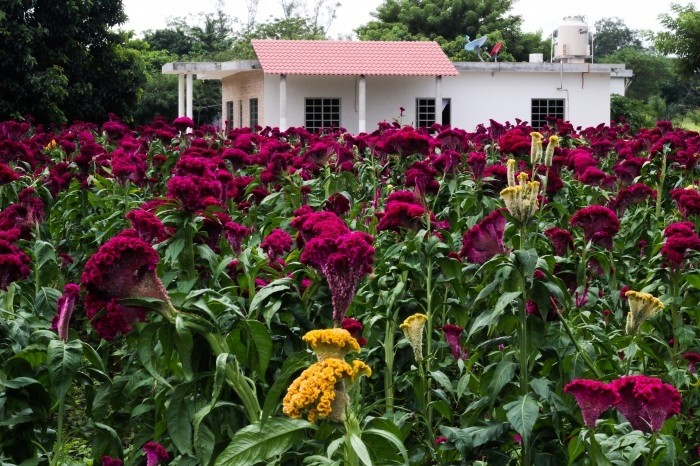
x: 337, y: 203
x: 402, y: 212
x: 561, y: 240
x: 128, y: 166
x: 235, y: 234
x: 311, y: 224
x: 593, y: 398
x: 485, y: 239
x: 680, y: 238
x: 646, y: 402
x: 422, y: 176
x: 155, y: 453
x: 452, y: 334
x: 64, y: 310
x: 599, y: 224
x: 183, y: 122
x: 631, y: 195
x: 276, y: 244
x: 693, y: 359
x: 149, y: 227
x: 477, y: 164
x: 123, y: 267
x: 515, y: 141
x: 14, y: 264
x: 355, y: 328
x: 7, y: 174
x: 687, y: 200
x: 109, y: 461
x: 343, y: 260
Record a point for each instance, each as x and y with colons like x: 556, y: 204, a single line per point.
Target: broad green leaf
x: 261, y: 340
x: 442, y: 380
x: 475, y: 436
x: 391, y: 438
x: 256, y: 443
x: 522, y: 415
x: 360, y: 449
x: 262, y: 295
x: 178, y: 418
x: 63, y: 361
x: 504, y: 373
x: 184, y: 345
x: 145, y: 351
x: 19, y: 382
x: 489, y: 318
x: 526, y: 262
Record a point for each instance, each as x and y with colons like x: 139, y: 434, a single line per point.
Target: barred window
x: 229, y: 114
x: 425, y: 112
x: 543, y: 108
x: 321, y: 112
x: 253, y: 108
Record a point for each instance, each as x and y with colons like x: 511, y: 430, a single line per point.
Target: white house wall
x: 476, y: 96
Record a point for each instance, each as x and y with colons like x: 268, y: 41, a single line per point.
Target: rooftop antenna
x: 494, y: 51
x: 475, y: 46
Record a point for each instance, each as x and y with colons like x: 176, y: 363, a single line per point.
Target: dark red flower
x: 422, y: 176
x: 7, y: 174
x: 687, y: 200
x: 64, y: 310
x: 452, y: 335
x: 680, y: 238
x: 276, y: 244
x: 646, y: 402
x: 14, y: 264
x: 477, y: 164
x: 337, y: 203
x: 109, y: 461
x: 562, y: 240
x: 149, y: 227
x: 632, y: 195
x: 155, y: 453
x: 355, y: 328
x: 593, y: 398
x: 183, y: 122
x: 485, y: 239
x: 599, y: 224
x: 693, y: 359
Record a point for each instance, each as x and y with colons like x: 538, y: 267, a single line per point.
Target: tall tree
x: 682, y: 37
x: 612, y: 35
x: 62, y: 61
x: 651, y: 71
x: 448, y: 22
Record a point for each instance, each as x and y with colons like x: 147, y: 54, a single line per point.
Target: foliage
x: 68, y: 51
x: 651, y: 71
x: 682, y: 37
x: 612, y: 35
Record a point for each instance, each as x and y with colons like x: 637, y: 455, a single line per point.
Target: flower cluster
x: 485, y: 239
x: 599, y: 225
x: 646, y: 402
x: 413, y: 330
x: 520, y: 199
x: 680, y: 238
x: 643, y: 306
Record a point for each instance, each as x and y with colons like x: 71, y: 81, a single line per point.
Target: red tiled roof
x: 371, y: 58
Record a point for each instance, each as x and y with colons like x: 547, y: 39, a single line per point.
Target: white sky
x: 537, y: 14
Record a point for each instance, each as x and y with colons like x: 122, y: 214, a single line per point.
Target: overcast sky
x: 544, y: 15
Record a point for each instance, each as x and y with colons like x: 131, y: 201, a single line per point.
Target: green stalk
x: 389, y: 362
x: 662, y: 179
x: 584, y: 355
x: 429, y: 341
x: 188, y: 251
x: 652, y: 449
x: 352, y: 427
x: 522, y: 350
x: 58, y: 446
x: 675, y: 315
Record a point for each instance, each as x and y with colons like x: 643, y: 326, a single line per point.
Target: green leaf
x: 19, y: 382
x: 522, y: 415
x: 526, y: 262
x: 257, y: 443
x: 265, y: 293
x: 184, y: 345
x: 178, y: 418
x: 291, y: 366
x: 475, y: 436
x: 145, y: 351
x: 504, y: 373
x: 442, y: 380
x: 63, y: 360
x: 489, y: 318
x: 261, y: 340
x: 360, y: 449
x: 391, y: 438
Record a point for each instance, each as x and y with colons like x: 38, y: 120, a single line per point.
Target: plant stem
x: 352, y: 427
x: 58, y: 446
x: 389, y: 363
x: 662, y: 179
x: 652, y: 448
x: 429, y: 340
x: 675, y: 316
x: 584, y: 355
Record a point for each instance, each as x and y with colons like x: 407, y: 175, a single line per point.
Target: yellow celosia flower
x: 51, y: 145
x: 413, y: 329
x: 331, y: 343
x: 521, y: 199
x: 549, y: 153
x: 510, y: 173
x: 642, y: 307
x: 319, y: 392
x: 536, y: 147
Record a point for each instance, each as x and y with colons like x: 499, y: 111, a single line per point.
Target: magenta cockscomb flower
x: 355, y: 328
x: 646, y: 402
x: 183, y: 122
x: 485, y: 239
x: 632, y: 195
x: 276, y: 244
x: 562, y: 240
x: 337, y: 203
x: 680, y: 239
x: 123, y: 267
x: 109, y: 461
x: 687, y: 200
x: 400, y: 215
x: 693, y: 359
x: 7, y: 174
x: 64, y: 310
x: 421, y: 176
x: 235, y: 234
x: 477, y: 164
x: 599, y: 224
x: 452, y: 335
x: 343, y: 260
x: 149, y: 227
x: 155, y: 453
x: 593, y: 398
x: 312, y: 224
x: 14, y: 264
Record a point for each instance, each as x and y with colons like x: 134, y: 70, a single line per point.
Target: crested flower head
x: 331, y: 343
x: 64, y: 310
x: 155, y: 453
x: 452, y: 334
x: 276, y: 244
x: 646, y: 402
x: 549, y: 152
x: 485, y: 239
x: 413, y: 329
x: 593, y: 397
x: 599, y: 224
x: 642, y: 307
x: 521, y: 199
x: 14, y: 264
x: 319, y: 392
x: 355, y: 328
x: 109, y: 461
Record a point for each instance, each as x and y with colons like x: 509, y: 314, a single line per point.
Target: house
x: 356, y: 84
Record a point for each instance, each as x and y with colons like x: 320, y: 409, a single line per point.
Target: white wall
x: 475, y: 97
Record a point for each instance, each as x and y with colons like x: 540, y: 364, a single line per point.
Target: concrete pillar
x: 283, y: 102
x: 189, y: 95
x: 362, y: 107
x: 180, y: 95
x: 438, y: 100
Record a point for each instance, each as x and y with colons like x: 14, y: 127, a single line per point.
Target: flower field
x: 185, y: 296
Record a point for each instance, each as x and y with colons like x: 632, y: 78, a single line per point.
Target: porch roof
x: 369, y: 58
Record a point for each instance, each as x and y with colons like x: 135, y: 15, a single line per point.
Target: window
x: 240, y: 114
x: 321, y: 113
x: 543, y: 108
x: 425, y: 112
x: 253, y: 104
x: 229, y: 114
